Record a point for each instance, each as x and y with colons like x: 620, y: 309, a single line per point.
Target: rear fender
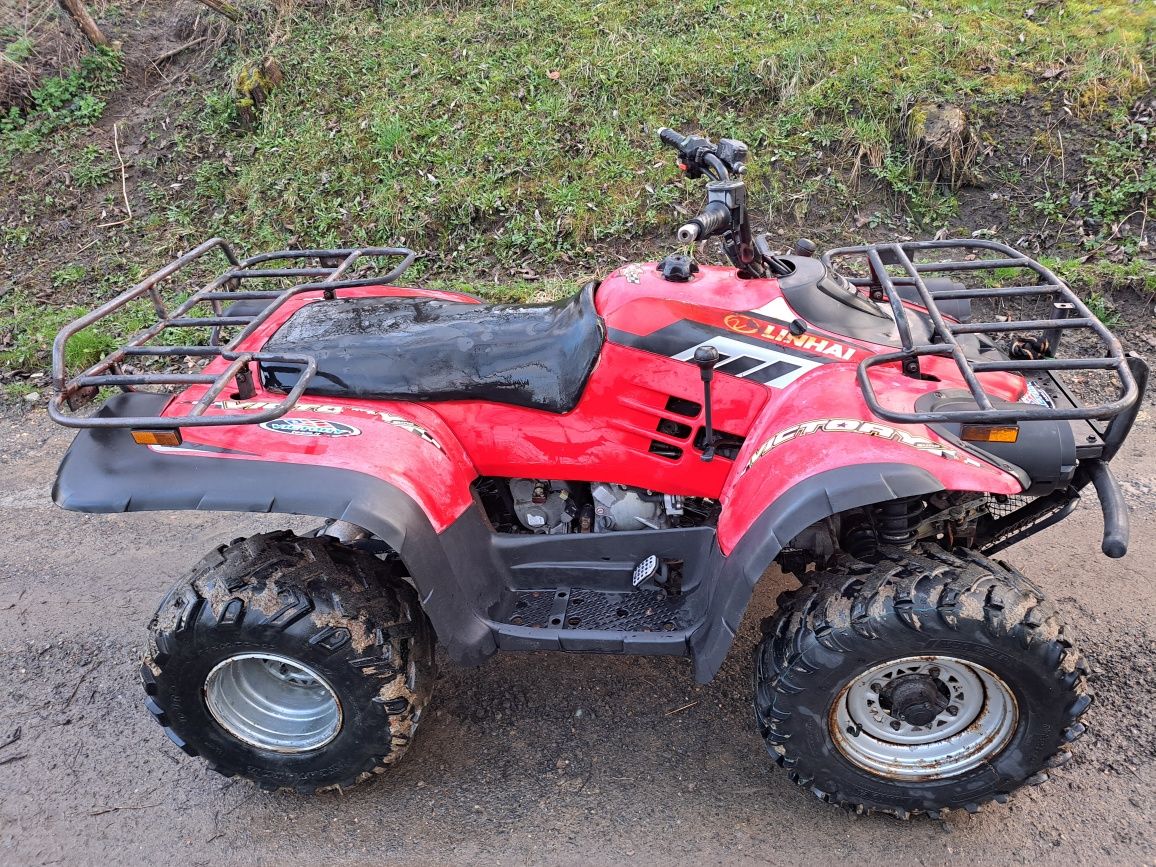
x: 405, y: 479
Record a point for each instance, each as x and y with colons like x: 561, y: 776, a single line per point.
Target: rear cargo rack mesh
x: 1069, y: 314
x: 324, y: 271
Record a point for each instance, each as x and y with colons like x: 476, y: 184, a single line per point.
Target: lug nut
x: 952, y: 709
x: 876, y: 686
x: 933, y: 671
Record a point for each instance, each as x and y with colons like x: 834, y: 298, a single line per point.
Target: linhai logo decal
x: 311, y: 427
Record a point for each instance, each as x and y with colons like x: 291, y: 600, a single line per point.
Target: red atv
x: 613, y: 473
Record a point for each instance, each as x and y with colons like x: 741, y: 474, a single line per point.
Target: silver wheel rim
x: 273, y: 702
x: 977, y: 724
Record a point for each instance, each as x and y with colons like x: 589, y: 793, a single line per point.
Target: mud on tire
x: 342, y: 613
x: 844, y: 622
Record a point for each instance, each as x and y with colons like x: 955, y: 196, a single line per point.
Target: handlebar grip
x: 670, y: 137
x: 714, y: 218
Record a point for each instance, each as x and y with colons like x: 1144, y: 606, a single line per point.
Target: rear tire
x: 294, y: 662
x: 966, y: 651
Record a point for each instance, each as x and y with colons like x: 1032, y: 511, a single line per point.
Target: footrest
x: 646, y: 610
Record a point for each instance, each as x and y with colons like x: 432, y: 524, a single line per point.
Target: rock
x: 32, y: 396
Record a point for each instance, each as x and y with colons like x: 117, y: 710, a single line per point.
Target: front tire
x: 295, y: 662
x: 925, y: 682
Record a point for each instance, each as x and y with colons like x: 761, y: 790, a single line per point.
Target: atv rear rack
x: 1070, y: 314
x: 322, y: 270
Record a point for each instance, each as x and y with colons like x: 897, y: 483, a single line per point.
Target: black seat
x: 395, y: 348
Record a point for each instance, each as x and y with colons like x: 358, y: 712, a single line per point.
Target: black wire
x: 720, y: 169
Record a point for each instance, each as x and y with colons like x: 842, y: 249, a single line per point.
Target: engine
x: 553, y: 507
x: 619, y: 507
x: 543, y: 507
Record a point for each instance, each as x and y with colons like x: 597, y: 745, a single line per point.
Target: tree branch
x: 77, y: 12
x: 224, y: 7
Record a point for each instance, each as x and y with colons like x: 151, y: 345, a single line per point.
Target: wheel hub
x: 917, y: 699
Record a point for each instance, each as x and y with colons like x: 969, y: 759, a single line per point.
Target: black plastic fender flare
x: 811, y: 500
x: 105, y: 471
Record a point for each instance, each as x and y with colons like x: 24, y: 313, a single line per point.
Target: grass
x: 28, y: 327
x: 460, y: 128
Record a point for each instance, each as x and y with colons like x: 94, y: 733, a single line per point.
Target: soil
x: 531, y: 758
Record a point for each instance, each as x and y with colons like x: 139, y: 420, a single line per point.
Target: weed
x: 69, y: 275
x: 17, y: 390
x: 1102, y: 309
x: 61, y: 101
x: 1121, y: 181
x: 15, y: 237
x: 89, y: 169
x: 19, y: 50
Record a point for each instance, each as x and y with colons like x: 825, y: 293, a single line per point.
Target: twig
x: 76, y: 688
x: 104, y: 810
x: 16, y: 735
x: 169, y: 55
x: 120, y: 159
x: 16, y: 758
x: 681, y: 709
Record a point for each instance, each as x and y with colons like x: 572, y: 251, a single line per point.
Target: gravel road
x: 531, y: 758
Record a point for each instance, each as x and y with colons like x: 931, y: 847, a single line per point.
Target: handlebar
x: 725, y: 212
x: 698, y: 155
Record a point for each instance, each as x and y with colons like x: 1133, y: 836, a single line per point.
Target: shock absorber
x: 861, y: 541
x: 898, y: 521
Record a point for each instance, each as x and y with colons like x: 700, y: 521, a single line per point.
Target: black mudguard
x: 811, y: 500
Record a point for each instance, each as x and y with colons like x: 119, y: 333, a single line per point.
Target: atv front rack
x: 321, y: 270
x: 1069, y: 314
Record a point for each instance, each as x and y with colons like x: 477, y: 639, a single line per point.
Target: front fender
x: 105, y: 471
x: 822, y: 424
x: 808, y: 501
x: 815, y: 451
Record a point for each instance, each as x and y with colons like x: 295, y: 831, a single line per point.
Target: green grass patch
x: 28, y: 328
x: 526, y: 131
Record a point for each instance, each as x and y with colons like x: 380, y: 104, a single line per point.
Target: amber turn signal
x: 157, y: 437
x: 989, y: 433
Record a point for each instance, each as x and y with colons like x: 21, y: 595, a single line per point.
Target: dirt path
x: 532, y: 758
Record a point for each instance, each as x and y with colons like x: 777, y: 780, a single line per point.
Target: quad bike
x: 613, y: 473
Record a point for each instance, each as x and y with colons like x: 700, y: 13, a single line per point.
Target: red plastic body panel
x: 407, y: 444
x: 433, y: 451
x: 608, y: 436
x: 822, y: 424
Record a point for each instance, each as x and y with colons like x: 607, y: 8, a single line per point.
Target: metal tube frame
x: 73, y: 391
x: 1071, y: 313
